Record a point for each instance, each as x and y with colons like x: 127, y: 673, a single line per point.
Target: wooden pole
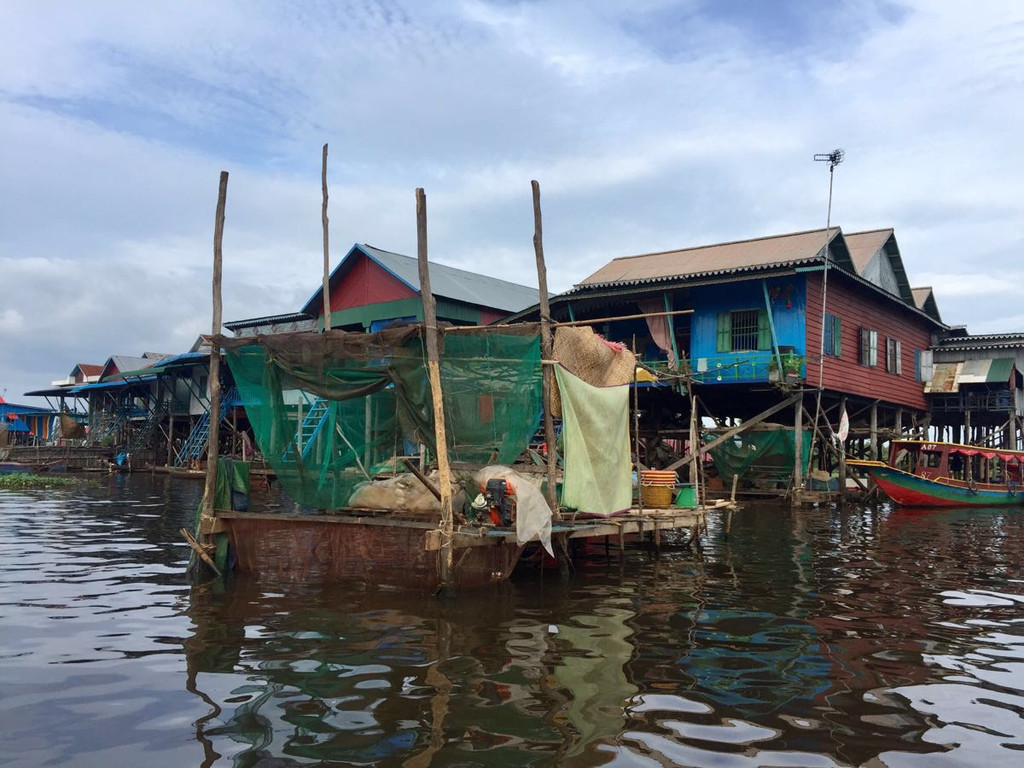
x: 842, y: 456
x: 214, y: 436
x: 546, y: 352
x: 695, y: 452
x: 873, y: 434
x: 798, y: 447
x: 636, y: 441
x: 327, y: 250
x: 434, y: 375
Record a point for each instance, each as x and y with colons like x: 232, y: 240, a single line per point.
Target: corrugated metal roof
x: 291, y: 317
x: 949, y: 377
x: 125, y: 363
x: 792, y: 249
x: 864, y: 245
x: 446, y: 282
x: 983, y: 341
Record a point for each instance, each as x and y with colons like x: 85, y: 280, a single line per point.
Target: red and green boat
x: 935, y: 474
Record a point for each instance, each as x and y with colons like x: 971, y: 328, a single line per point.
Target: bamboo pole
x: 327, y: 259
x: 214, y: 436
x: 434, y: 374
x: 546, y: 350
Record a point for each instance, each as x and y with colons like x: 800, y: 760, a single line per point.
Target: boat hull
x: 308, y: 549
x: 913, y: 491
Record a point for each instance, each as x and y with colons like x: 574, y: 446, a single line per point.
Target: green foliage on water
x: 17, y: 481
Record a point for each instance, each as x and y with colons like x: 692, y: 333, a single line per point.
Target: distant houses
x: 752, y: 326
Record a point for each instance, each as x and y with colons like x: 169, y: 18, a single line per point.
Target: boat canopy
x: 963, y: 450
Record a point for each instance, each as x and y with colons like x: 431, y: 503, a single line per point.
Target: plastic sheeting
x: 598, y: 466
x: 533, y: 515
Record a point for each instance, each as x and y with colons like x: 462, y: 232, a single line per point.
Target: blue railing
x: 738, y: 367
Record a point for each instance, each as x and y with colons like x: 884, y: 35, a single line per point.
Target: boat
x: 333, y: 414
x: 922, y: 473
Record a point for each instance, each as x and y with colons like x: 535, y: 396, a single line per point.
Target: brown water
x: 817, y: 638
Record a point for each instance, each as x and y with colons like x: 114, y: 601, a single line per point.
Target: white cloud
x: 650, y: 126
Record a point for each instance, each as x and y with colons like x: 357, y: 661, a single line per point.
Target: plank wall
x: 367, y: 283
x: 860, y: 307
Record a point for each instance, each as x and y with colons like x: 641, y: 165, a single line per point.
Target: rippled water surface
x: 814, y: 638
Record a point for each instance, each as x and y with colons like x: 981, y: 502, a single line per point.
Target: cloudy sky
x: 650, y: 125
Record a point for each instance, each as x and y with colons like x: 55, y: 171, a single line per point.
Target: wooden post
x: 546, y: 351
x: 636, y: 440
x: 873, y: 433
x: 967, y: 427
x: 327, y: 258
x: 695, y: 452
x: 170, y: 432
x: 798, y: 447
x: 434, y: 375
x: 214, y: 436
x: 899, y: 422
x: 842, y: 456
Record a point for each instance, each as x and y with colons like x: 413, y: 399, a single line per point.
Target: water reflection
x: 864, y: 637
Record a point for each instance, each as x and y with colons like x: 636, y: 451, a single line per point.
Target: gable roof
x: 924, y: 299
x: 723, y: 258
x: 88, y: 369
x: 445, y: 282
x: 865, y: 245
x: 125, y: 364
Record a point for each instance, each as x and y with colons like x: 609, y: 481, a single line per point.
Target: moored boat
x: 935, y: 474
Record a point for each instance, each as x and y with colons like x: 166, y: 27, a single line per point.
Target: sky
x: 650, y: 125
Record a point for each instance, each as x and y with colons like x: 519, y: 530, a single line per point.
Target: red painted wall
x: 861, y: 307
x: 365, y: 282
x: 488, y: 316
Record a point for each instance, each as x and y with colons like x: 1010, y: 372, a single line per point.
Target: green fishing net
x: 332, y: 410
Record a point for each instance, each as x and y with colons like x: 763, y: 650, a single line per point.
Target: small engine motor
x: 497, y: 501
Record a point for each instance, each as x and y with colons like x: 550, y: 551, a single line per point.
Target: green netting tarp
x: 331, y: 410
x: 596, y: 481
x: 763, y: 455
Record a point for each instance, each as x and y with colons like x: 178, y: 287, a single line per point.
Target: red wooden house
x: 749, y: 319
x: 373, y: 288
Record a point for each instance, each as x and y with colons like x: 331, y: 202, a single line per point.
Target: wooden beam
x: 422, y: 478
x: 434, y: 376
x: 738, y: 429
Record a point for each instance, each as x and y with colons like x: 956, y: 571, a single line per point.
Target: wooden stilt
x: 842, y: 457
x: 445, y: 573
x: 873, y: 434
x: 798, y: 447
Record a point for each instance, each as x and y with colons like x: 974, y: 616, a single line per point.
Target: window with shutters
x: 893, y: 353
x: 833, y: 335
x: 743, y: 330
x: 868, y: 347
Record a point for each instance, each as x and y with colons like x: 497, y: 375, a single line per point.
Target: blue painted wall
x: 789, y: 307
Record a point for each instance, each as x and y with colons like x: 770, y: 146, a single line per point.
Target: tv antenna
x: 833, y: 158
